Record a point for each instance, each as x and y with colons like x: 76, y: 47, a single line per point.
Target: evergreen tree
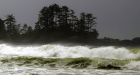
x: 66, y: 17
x: 12, y: 28
x: 29, y: 32
x: 24, y: 29
x: 2, y: 30
x: 62, y: 21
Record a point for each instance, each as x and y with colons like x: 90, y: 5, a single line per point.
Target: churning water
x: 60, y: 51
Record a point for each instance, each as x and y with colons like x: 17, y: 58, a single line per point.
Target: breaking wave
x: 60, y: 51
x: 134, y: 65
x: 30, y: 60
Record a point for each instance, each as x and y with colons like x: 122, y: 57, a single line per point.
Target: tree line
x: 54, y: 23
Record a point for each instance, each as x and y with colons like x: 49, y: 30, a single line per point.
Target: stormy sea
x: 58, y: 59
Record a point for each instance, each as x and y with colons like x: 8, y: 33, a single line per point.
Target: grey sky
x: 116, y: 18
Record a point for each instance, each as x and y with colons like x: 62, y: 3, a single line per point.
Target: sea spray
x: 134, y: 65
x: 64, y: 60
x: 60, y: 51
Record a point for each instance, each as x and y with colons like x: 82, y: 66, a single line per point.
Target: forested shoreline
x: 57, y: 23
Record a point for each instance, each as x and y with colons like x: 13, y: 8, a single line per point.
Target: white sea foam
x: 60, y: 51
x: 134, y: 65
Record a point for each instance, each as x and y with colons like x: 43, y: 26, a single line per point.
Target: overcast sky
x: 116, y: 18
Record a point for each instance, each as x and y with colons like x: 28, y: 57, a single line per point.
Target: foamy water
x: 59, y: 51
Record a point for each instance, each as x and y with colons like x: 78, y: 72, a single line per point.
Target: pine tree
x: 2, y: 30
x: 12, y: 28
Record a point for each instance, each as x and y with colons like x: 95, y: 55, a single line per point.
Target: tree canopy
x: 63, y: 20
x: 54, y: 23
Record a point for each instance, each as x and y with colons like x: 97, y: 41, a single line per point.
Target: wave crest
x: 59, y: 51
